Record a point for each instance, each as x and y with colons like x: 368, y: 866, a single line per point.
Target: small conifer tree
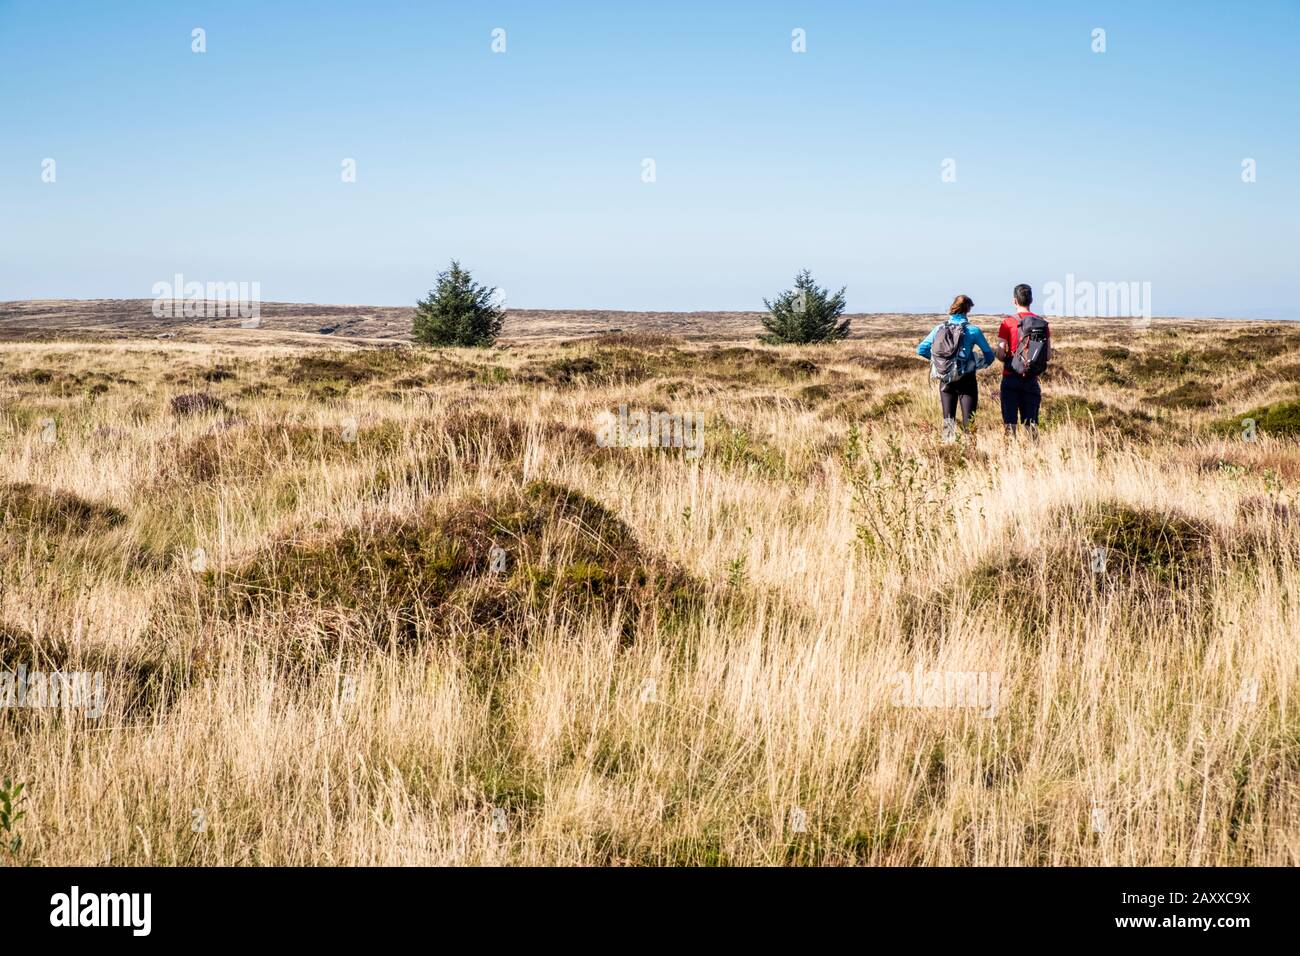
x: 458, y: 311
x: 804, y: 314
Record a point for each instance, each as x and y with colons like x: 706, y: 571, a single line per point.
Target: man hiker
x: 1024, y: 346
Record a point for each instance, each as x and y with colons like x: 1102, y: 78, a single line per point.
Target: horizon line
x: 1253, y: 315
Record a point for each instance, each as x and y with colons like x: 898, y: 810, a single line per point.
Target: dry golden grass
x: 683, y: 662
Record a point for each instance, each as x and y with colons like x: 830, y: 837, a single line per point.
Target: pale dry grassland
x: 683, y: 662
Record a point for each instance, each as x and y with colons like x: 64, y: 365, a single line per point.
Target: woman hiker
x: 950, y: 347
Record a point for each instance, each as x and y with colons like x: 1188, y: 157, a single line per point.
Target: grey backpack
x: 944, y: 352
x: 1033, y: 346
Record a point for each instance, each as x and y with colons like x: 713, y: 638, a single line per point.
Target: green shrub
x: 11, y: 796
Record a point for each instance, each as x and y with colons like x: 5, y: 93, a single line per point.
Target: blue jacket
x: 971, y: 337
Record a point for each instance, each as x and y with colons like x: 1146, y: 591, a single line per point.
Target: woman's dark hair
x: 1024, y: 296
x: 961, y: 305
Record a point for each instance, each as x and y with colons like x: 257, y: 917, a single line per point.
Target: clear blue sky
x: 527, y: 165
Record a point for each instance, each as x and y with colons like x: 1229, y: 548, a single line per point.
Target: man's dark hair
x: 1024, y: 295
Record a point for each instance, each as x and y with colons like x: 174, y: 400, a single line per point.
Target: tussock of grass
x: 136, y: 681
x: 1166, y: 545
x: 444, y: 372
x: 1287, y: 373
x: 346, y: 369
x: 1108, y: 374
x: 253, y: 450
x: 470, y: 439
x: 889, y: 403
x: 405, y: 579
x: 1106, y: 419
x: 756, y: 365
x: 632, y: 340
x: 1261, y: 342
x: 590, y: 364
x: 1149, y: 558
x: 735, y: 447
x: 1268, y: 462
x: 601, y: 366
x: 48, y: 534
x: 848, y: 402
x: 26, y: 508
x: 1280, y: 418
x: 1186, y: 395
x: 196, y: 403
x: 16, y: 644
x: 891, y: 363
x: 814, y: 394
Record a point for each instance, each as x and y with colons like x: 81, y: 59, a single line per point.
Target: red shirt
x: 1009, y: 332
